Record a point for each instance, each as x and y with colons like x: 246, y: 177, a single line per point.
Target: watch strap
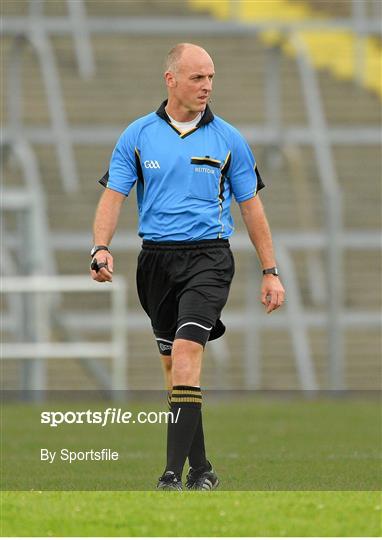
x: 272, y: 270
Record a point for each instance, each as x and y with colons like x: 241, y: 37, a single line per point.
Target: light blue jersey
x: 185, y: 181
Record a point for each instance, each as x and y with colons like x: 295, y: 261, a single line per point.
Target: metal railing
x: 42, y: 348
x: 251, y: 320
x: 33, y: 252
x: 157, y: 26
x: 41, y: 44
x: 82, y: 38
x: 333, y: 205
x: 317, y: 133
x: 34, y: 33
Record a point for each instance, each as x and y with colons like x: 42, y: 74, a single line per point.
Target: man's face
x: 191, y: 85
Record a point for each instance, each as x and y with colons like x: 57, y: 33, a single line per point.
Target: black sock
x: 186, y: 403
x: 197, y: 454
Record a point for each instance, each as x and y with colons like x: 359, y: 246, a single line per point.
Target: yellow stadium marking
x: 333, y: 50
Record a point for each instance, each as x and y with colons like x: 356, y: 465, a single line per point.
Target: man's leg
x: 166, y: 366
x: 197, y: 455
x: 185, y: 402
x: 186, y: 436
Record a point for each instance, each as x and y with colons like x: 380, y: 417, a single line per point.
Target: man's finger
x: 264, y: 298
x: 105, y: 274
x: 106, y: 267
x: 110, y: 262
x: 100, y: 270
x: 102, y: 274
x: 280, y: 300
x: 281, y: 297
x: 97, y: 276
x: 272, y: 301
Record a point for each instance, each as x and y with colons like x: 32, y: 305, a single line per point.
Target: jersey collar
x: 205, y: 119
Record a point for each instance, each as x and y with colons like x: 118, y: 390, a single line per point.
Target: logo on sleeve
x: 151, y: 164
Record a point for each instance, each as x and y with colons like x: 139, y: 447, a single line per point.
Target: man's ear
x: 169, y: 77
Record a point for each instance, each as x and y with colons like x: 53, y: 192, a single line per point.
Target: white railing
x: 332, y: 197
x: 37, y: 28
x: 201, y: 26
x: 251, y: 321
x: 41, y: 348
x: 34, y: 32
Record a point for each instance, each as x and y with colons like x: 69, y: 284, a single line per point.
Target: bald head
x: 188, y: 76
x: 184, y: 53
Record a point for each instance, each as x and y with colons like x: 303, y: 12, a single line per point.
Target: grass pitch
x: 192, y: 514
x: 309, y: 468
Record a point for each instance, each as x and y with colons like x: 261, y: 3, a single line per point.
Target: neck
x: 179, y: 114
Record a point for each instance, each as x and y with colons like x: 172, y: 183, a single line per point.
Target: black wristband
x: 96, y: 249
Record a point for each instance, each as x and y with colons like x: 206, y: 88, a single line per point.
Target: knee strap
x: 164, y: 346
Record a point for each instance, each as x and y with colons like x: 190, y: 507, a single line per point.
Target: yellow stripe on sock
x: 180, y: 392
x: 186, y: 400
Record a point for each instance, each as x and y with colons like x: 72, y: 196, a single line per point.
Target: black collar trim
x: 205, y: 119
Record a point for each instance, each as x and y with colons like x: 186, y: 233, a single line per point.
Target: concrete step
x: 123, y: 86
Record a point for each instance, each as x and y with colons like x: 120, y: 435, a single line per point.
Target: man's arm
x: 253, y: 214
x: 105, y: 223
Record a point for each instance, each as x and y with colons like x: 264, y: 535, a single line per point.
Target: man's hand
x: 105, y: 273
x: 272, y: 292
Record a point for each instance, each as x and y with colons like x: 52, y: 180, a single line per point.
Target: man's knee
x: 184, y: 348
x: 186, y: 362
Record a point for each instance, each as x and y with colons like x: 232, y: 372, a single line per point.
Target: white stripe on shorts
x: 195, y: 324
x: 165, y: 340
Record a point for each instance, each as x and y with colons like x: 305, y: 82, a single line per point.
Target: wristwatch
x: 95, y: 250
x: 273, y: 270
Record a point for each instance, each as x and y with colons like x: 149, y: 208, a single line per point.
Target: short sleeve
x: 122, y: 169
x: 244, y: 175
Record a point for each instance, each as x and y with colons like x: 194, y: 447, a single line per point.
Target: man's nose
x: 207, y: 84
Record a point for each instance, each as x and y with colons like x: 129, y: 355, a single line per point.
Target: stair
x: 320, y: 43
x: 128, y: 84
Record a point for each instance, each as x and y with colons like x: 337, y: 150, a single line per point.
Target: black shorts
x: 183, y: 288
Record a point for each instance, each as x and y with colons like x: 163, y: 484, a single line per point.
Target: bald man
x: 186, y: 164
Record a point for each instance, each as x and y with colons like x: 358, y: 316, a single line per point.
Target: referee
x: 186, y: 164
